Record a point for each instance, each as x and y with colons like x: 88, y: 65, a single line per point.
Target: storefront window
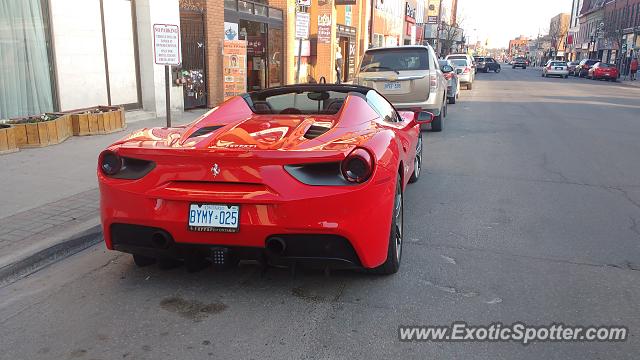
x: 256, y: 35
x: 260, y: 10
x: 25, y: 86
x: 230, y: 4
x: 245, y: 6
x: 275, y: 57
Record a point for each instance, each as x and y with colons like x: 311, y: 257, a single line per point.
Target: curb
x: 50, y: 254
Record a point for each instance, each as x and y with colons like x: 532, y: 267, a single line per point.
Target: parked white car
x: 555, y: 68
x: 465, y: 72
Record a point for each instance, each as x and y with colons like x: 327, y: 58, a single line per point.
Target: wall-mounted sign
x: 235, y: 67
x: 324, y: 29
x: 306, y: 48
x: 230, y: 31
x: 166, y: 44
x: 347, y: 15
x: 302, y: 25
x: 410, y: 11
x: 303, y: 2
x: 432, y: 20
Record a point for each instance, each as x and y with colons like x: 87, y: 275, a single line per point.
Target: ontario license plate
x: 392, y: 85
x: 558, y: 68
x: 214, y: 217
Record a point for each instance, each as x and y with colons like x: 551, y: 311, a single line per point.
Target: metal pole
x: 299, y: 59
x: 167, y: 82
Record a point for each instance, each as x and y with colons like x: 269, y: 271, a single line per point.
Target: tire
x: 452, y: 100
x: 513, y: 67
x: 142, y: 261
x: 469, y: 86
x: 417, y: 162
x: 566, y: 76
x: 436, y: 124
x: 497, y: 70
x: 524, y: 67
x: 394, y: 249
x: 542, y: 75
x: 445, y: 107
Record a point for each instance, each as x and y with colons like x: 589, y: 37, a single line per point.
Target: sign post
x: 302, y: 33
x: 166, y: 51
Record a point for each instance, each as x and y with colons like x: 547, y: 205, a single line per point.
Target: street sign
x: 303, y: 2
x: 166, y: 44
x: 302, y: 25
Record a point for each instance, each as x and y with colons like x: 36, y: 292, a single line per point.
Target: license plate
x: 214, y: 217
x: 605, y: 74
x: 558, y: 68
x: 392, y: 85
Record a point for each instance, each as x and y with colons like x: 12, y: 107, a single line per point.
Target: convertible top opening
x: 302, y: 99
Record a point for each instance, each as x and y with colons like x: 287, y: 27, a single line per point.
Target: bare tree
x: 609, y: 30
x: 450, y: 35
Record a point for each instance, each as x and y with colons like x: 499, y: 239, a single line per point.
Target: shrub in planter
x: 7, y: 139
x: 97, y: 120
x: 41, y: 130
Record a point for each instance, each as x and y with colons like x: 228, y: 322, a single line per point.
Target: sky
x: 502, y: 20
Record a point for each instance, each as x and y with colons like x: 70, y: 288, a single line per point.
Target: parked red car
x: 303, y: 173
x: 605, y: 71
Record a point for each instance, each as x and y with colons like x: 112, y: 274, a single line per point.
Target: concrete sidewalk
x: 49, y: 202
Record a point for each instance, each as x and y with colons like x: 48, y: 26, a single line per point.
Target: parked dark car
x: 583, y: 68
x: 486, y: 64
x: 571, y: 66
x: 520, y: 62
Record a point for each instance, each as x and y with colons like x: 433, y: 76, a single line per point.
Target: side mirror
x: 446, y: 68
x: 423, y: 117
x: 420, y: 117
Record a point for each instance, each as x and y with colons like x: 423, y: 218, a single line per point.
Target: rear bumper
x: 314, y: 249
x: 361, y: 215
x: 465, y: 78
x: 558, y: 72
x: 432, y: 104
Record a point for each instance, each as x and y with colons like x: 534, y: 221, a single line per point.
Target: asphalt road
x: 529, y: 211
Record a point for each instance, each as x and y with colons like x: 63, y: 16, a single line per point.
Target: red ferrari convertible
x: 294, y: 174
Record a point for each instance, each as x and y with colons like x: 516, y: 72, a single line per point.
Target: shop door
x: 193, y: 71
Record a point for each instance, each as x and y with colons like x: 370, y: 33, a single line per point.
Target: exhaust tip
x: 160, y: 240
x: 276, y: 245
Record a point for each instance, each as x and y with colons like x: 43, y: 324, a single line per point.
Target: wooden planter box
x: 29, y: 135
x: 98, y: 120
x: 7, y: 139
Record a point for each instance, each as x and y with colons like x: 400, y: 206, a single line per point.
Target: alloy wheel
x: 398, y: 218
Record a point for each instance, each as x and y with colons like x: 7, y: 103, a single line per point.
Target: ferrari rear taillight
x: 358, y: 166
x: 433, y: 83
x: 120, y: 167
x: 110, y: 163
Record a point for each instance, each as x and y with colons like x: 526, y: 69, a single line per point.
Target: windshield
x: 606, y: 65
x: 459, y: 62
x: 395, y: 60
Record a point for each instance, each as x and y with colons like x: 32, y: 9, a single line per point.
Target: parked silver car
x: 555, y: 68
x: 453, y: 87
x: 409, y: 77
